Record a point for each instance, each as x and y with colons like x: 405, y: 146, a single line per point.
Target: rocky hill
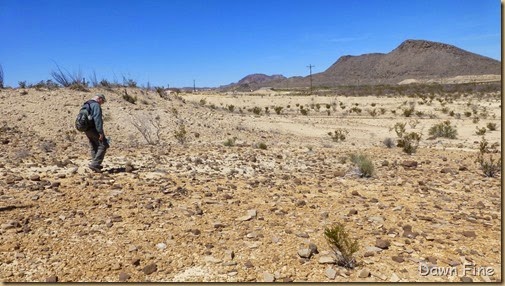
x: 411, y: 60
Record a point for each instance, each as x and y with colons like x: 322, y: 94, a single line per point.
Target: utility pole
x: 310, y: 66
x: 194, y: 86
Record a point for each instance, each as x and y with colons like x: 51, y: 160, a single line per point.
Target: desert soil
x: 203, y: 211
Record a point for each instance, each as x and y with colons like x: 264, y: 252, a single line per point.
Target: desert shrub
x: 128, y: 82
x: 407, y: 112
x: 256, y: 110
x: 342, y: 245
x: 47, y: 146
x: 443, y: 129
x: 22, y: 84
x: 491, y: 126
x: 78, y: 87
x: 129, y: 98
x: 328, y: 106
x: 304, y: 111
x: 261, y: 146
x: 339, y: 134
x: 490, y: 166
x: 161, y: 92
x: 230, y: 142
x: 373, y: 112
x: 231, y: 107
x: 382, y: 110
x: 278, y: 109
x: 364, y: 164
x: 149, y: 127
x: 476, y: 120
x: 480, y: 131
x: 389, y: 142
x: 67, y: 79
x: 180, y: 134
x: 355, y: 109
x: 203, y: 101
x: 407, y: 141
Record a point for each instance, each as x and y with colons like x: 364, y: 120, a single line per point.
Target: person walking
x: 96, y: 136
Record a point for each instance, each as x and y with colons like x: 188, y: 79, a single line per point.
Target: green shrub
x: 491, y: 166
x: 261, y: 146
x: 407, y: 112
x: 443, y: 129
x: 364, y: 164
x: 230, y: 142
x: 342, y: 245
x: 410, y: 142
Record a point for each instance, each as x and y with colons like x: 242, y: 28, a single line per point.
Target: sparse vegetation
x: 364, y: 164
x: 480, y: 131
x: 230, y: 142
x: 338, y: 135
x: 149, y: 127
x: 389, y: 142
x: 180, y: 133
x: 490, y: 166
x: 443, y: 129
x: 129, y: 98
x: 409, y: 142
x: 342, y: 245
x: 1, y: 77
x: 491, y: 126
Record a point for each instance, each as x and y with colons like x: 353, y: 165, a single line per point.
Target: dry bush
x: 149, y: 128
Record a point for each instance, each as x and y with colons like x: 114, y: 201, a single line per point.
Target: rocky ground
x: 203, y: 211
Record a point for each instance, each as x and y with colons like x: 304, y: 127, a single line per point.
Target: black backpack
x: 84, y: 119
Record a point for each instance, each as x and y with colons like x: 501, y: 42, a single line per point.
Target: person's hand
x: 101, y: 137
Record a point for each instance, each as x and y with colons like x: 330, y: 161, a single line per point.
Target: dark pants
x: 97, y: 147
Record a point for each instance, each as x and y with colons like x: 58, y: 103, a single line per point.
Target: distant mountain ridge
x: 412, y: 59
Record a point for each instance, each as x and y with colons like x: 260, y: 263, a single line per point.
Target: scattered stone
x: 470, y: 234
x: 353, y: 212
x: 249, y: 215
x: 364, y: 273
x: 161, y: 246
x: 52, y: 279
x: 466, y: 279
x: 123, y: 277
x: 330, y: 273
x: 136, y: 261
x: 305, y: 253
x: 394, y: 278
x: 398, y: 259
x: 35, y: 177
x: 448, y: 171
x: 195, y: 231
x: 382, y: 243
x: 149, y: 269
x: 302, y: 234
x: 326, y: 259
x: 313, y: 248
x: 355, y: 193
x: 248, y: 264
x: 376, y: 219
x: 267, y: 277
x: 409, y: 164
x: 300, y: 203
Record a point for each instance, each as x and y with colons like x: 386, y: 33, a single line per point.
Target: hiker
x: 97, y: 140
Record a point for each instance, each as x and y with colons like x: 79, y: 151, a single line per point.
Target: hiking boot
x: 97, y: 169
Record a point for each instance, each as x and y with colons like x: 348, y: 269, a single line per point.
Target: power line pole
x: 194, y: 86
x: 310, y: 66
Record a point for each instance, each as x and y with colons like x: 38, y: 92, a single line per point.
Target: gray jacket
x: 96, y: 112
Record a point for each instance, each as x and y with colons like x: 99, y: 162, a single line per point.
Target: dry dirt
x: 203, y: 211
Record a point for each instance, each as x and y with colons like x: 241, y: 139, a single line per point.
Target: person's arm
x: 97, y: 118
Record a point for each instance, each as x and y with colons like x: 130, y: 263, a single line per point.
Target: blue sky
x: 217, y: 42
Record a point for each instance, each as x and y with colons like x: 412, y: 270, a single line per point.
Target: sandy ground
x: 204, y: 211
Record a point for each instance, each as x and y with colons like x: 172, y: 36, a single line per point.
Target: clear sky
x: 217, y: 42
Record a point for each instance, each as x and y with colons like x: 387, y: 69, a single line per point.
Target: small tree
x: 342, y: 245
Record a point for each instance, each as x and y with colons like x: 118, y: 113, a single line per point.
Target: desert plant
x: 230, y: 142
x: 22, y: 84
x: 407, y: 112
x: 342, y: 245
x: 278, y: 109
x: 338, y: 135
x: 372, y: 112
x: 389, y: 142
x: 480, y: 131
x: 256, y: 110
x: 203, y: 101
x: 261, y: 146
x: 491, y: 126
x: 67, y: 79
x: 231, y: 107
x: 149, y: 127
x: 443, y: 129
x: 129, y: 98
x: 364, y: 164
x: 410, y: 142
x: 491, y: 166
x: 304, y: 111
x: 180, y: 133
